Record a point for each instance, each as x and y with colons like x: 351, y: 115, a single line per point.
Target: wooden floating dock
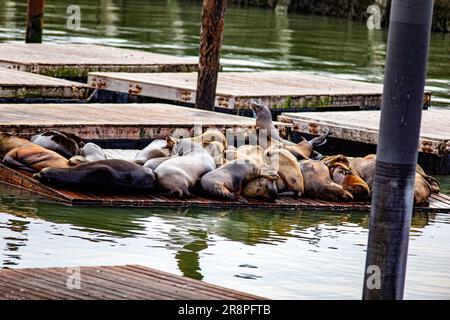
x: 28, y: 87
x: 115, y: 121
x: 33, y: 188
x: 281, y: 90
x: 75, y: 61
x: 129, y: 282
x: 362, y: 126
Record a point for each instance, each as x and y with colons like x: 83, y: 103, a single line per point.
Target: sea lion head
x: 261, y: 188
x: 268, y: 172
x: 49, y: 175
x: 336, y: 192
x: 184, y: 146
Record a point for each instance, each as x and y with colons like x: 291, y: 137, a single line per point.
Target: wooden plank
x: 25, y: 181
x: 116, y: 121
x: 77, y: 60
x: 280, y: 90
x: 362, y: 126
x: 24, y: 85
x: 111, y: 283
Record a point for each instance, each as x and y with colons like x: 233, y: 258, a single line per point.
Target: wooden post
x: 395, y: 170
x: 35, y: 21
x: 210, y: 43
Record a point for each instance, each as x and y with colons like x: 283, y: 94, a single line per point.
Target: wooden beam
x: 35, y: 21
x: 210, y: 43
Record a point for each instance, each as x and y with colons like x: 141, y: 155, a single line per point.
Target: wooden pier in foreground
x: 131, y: 122
x: 281, y: 90
x: 18, y: 86
x: 362, y: 126
x: 129, y: 282
x: 75, y: 61
x: 35, y: 189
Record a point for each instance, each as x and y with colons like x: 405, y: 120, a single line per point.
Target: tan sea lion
x: 262, y: 188
x: 254, y: 153
x: 216, y: 150
x: 157, y: 148
x: 318, y: 182
x: 228, y: 180
x: 34, y: 158
x: 66, y: 144
x: 100, y: 176
x: 179, y: 174
x: 291, y: 178
x: 342, y: 174
x: 203, y: 139
x: 9, y: 142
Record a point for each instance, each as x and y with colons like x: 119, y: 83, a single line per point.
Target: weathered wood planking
x: 23, y: 180
x: 128, y: 282
x: 18, y: 85
x: 279, y: 89
x: 73, y: 61
x: 115, y: 121
x: 362, y: 126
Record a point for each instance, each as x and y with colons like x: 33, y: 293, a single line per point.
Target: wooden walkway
x: 362, y: 126
x: 129, y: 282
x: 75, y: 61
x: 17, y: 86
x: 114, y: 121
x: 33, y: 188
x: 280, y: 90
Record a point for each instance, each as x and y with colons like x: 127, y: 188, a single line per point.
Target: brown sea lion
x: 203, y: 139
x: 66, y: 144
x: 9, y: 142
x: 291, y: 178
x: 228, y: 180
x: 341, y: 173
x: 34, y: 158
x: 180, y: 173
x: 100, y: 176
x: 318, y: 182
x: 261, y: 188
x: 157, y: 148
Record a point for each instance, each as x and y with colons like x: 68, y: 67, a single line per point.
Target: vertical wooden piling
x: 210, y: 43
x: 401, y: 112
x: 35, y: 21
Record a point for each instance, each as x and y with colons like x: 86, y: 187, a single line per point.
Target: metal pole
x: 35, y: 21
x: 210, y: 43
x: 392, y: 200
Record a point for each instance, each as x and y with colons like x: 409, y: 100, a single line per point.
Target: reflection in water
x: 298, y: 254
x: 254, y: 39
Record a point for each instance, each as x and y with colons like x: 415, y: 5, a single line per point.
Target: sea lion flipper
x: 11, y: 162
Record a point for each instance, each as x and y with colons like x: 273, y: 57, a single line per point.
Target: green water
x: 254, y: 39
x: 274, y: 254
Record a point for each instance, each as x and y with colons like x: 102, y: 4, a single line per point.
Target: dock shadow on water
x: 305, y: 254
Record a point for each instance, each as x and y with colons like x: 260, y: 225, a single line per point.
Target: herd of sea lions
x: 206, y: 164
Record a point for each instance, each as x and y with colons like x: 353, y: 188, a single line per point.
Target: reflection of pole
x: 35, y: 21
x: 392, y: 201
x: 210, y: 43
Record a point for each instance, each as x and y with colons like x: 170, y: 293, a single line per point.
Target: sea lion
x: 34, y: 158
x: 342, y: 174
x: 76, y: 160
x: 157, y: 148
x: 254, y: 153
x: 9, y: 142
x: 287, y: 168
x: 66, y: 144
x: 155, y: 162
x: 228, y: 180
x: 179, y: 174
x: 205, y: 138
x: 262, y: 188
x: 318, y: 182
x: 101, y: 176
x: 264, y: 121
x: 216, y: 150
x: 365, y: 168
x: 90, y: 152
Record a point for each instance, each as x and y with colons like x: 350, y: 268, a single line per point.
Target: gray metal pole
x: 392, y: 200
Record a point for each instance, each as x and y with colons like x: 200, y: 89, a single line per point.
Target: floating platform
x: 18, y: 86
x: 132, y: 122
x: 33, y: 188
x: 75, y: 61
x: 129, y: 282
x: 363, y: 127
x: 281, y: 90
